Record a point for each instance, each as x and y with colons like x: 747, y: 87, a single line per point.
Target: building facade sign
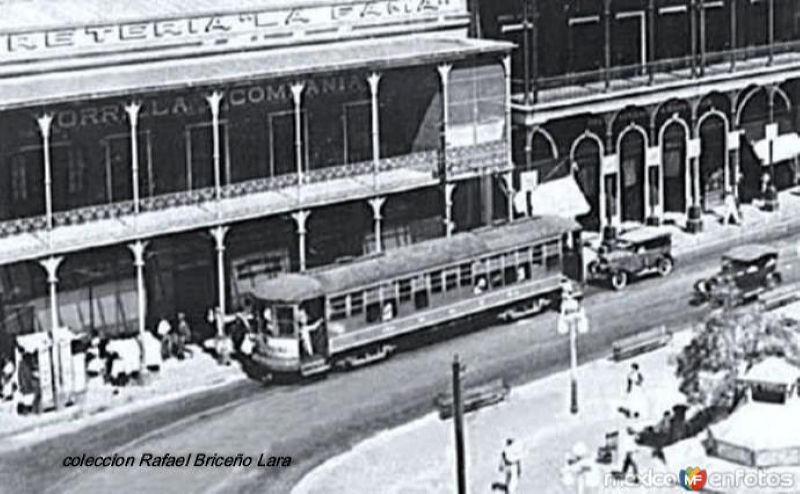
x: 267, y: 93
x: 252, y: 25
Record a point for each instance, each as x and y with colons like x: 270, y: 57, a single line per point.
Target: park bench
x: 781, y: 296
x: 473, y: 397
x: 640, y: 343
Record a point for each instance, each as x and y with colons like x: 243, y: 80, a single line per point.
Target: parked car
x: 746, y: 272
x: 633, y: 254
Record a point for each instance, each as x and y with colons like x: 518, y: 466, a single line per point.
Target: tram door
x: 674, y: 169
x: 632, y: 179
x: 312, y: 330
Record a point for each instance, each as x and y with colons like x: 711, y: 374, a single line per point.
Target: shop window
x: 200, y: 156
x: 357, y: 117
x: 283, y: 152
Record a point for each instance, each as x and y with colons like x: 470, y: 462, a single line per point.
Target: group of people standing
x: 174, y: 338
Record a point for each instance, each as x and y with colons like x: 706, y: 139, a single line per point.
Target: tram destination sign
x: 254, y: 26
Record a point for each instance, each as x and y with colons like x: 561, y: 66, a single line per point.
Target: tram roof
x: 411, y: 259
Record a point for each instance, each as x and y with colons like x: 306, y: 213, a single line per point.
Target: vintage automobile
x: 746, y: 272
x: 633, y: 254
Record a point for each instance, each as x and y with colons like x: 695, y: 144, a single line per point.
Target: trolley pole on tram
x: 458, y: 423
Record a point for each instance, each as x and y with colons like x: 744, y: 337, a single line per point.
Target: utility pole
x: 458, y: 424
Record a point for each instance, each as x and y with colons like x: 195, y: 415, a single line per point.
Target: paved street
x: 313, y: 422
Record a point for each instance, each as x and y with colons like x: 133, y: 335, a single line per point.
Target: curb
x: 770, y: 230
x: 95, y: 412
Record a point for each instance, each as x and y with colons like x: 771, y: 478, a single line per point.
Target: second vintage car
x: 746, y: 272
x: 633, y: 254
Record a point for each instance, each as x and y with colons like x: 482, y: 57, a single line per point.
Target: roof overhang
x: 298, y: 61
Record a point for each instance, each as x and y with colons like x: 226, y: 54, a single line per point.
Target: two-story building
x: 153, y: 153
x: 657, y: 108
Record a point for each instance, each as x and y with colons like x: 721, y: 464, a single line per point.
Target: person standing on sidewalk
x: 183, y: 334
x: 635, y: 378
x: 164, y: 331
x: 511, y: 466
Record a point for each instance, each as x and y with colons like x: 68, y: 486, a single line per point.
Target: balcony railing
x: 489, y: 156
x: 580, y: 84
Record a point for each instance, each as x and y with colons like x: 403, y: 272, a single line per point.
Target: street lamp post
x: 572, y: 320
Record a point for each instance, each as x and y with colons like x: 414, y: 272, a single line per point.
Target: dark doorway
x: 674, y: 168
x: 632, y: 162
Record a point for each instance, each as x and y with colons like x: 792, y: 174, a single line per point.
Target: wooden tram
x: 351, y: 314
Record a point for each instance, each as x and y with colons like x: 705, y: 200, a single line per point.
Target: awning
x: 123, y: 80
x: 784, y: 147
x: 773, y: 370
x: 560, y: 197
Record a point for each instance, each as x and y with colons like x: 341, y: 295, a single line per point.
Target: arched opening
x: 713, y: 150
x: 632, y: 169
x: 673, y: 162
x: 587, y: 174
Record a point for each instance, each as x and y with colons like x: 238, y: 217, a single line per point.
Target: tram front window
x: 285, y: 320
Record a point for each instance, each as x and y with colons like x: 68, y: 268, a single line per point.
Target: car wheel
x: 664, y: 266
x: 594, y: 269
x: 619, y: 280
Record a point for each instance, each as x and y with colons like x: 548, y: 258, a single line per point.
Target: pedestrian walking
x: 8, y: 383
x: 731, y: 210
x: 511, y: 466
x: 164, y: 332
x: 635, y: 378
x: 627, y: 448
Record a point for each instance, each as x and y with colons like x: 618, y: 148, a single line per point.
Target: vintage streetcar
x: 636, y: 253
x: 747, y: 271
x: 346, y: 315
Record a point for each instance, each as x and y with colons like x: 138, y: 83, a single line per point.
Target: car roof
x: 410, y: 259
x: 750, y: 252
x: 644, y: 234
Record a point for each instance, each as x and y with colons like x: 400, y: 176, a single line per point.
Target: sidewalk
x: 175, y: 380
x: 756, y: 225
x: 418, y: 457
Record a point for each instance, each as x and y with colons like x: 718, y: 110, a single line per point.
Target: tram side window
x: 465, y: 274
x: 420, y: 294
x: 480, y: 279
x: 356, y: 303
x: 436, y: 282
x: 537, y: 256
x: 510, y: 271
x: 552, y: 256
x: 374, y: 311
x: 495, y: 272
x: 405, y: 290
x: 451, y: 279
x: 338, y: 308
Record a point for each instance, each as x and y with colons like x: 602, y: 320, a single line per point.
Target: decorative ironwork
x: 461, y: 160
